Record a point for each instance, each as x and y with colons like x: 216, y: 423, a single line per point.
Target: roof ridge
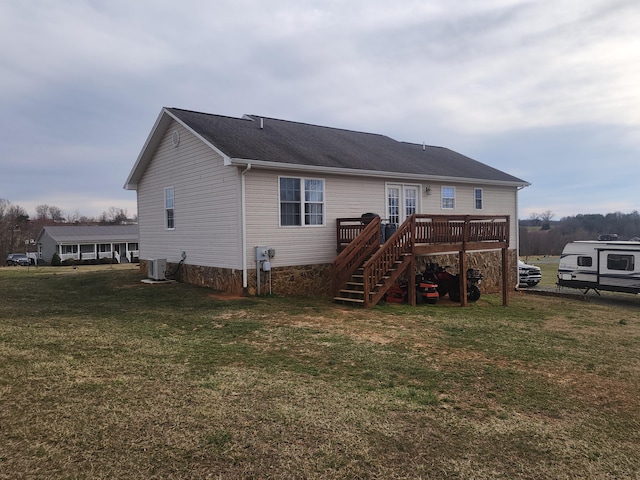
x: 186, y: 110
x: 254, y: 117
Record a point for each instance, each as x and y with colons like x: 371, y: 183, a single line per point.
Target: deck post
x: 505, y: 277
x: 412, y: 281
x: 462, y: 262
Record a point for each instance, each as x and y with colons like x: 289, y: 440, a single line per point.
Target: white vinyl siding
x: 304, y: 245
x: 206, y: 207
x: 496, y: 200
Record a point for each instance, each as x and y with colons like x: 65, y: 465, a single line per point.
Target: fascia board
x: 242, y: 162
x: 144, y: 156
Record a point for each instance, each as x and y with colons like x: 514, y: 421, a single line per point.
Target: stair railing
x: 395, y: 249
x: 354, y: 255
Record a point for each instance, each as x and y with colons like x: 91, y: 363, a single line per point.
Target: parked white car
x: 529, y: 275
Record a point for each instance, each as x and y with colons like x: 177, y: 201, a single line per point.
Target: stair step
x: 352, y: 292
x: 354, y: 301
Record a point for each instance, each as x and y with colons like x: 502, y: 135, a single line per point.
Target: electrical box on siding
x: 262, y: 254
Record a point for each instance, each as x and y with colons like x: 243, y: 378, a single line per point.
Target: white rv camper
x: 612, y: 266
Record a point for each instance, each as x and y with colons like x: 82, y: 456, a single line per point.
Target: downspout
x: 517, y: 238
x: 245, y: 283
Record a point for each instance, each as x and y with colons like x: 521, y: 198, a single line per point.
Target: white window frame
x: 68, y: 249
x: 399, y: 213
x: 394, y: 211
x: 307, y: 199
x: 170, y: 210
x: 476, y: 199
x: 448, y: 202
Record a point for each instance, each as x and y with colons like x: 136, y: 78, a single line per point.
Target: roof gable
x: 285, y: 144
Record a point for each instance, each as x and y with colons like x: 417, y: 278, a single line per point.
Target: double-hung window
x: 477, y: 198
x: 448, y: 198
x: 301, y: 201
x: 169, y: 200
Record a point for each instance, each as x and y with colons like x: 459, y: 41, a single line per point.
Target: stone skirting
x: 316, y: 279
x: 285, y: 281
x: 293, y: 281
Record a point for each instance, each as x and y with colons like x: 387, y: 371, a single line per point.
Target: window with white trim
x: 301, y: 201
x: 68, y: 249
x: 448, y: 195
x: 169, y: 201
x: 477, y: 198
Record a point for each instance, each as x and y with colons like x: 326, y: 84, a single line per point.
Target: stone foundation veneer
x: 315, y: 279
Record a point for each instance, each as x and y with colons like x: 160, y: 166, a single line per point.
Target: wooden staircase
x: 353, y: 293
x: 371, y: 276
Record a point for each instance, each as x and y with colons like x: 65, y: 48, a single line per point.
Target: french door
x: 402, y: 202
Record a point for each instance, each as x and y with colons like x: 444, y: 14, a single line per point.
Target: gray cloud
x: 545, y: 90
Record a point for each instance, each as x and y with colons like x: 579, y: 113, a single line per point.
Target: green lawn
x: 104, y: 377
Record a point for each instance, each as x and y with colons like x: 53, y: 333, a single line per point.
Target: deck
x: 362, y: 245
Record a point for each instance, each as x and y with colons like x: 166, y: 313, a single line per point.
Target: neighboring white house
x: 91, y: 242
x: 212, y: 188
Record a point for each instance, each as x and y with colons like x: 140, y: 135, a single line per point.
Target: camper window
x: 620, y: 262
x: 585, y: 261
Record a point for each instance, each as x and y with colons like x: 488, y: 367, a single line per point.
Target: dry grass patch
x: 104, y: 378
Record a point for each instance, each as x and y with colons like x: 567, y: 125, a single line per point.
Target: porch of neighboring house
x: 366, y: 268
x: 121, y: 252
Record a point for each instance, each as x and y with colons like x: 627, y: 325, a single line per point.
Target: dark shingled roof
x: 294, y: 143
x: 91, y: 233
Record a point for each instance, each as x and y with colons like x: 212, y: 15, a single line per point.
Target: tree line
x: 541, y: 235
x: 18, y: 230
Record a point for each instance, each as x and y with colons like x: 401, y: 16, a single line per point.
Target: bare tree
x: 55, y: 213
x: 14, y: 228
x: 49, y: 212
x: 115, y: 216
x: 42, y: 211
x: 546, y: 217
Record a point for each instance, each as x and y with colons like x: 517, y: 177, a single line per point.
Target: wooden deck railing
x: 461, y: 229
x: 347, y: 229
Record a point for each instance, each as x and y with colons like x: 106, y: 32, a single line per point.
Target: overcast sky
x: 546, y: 90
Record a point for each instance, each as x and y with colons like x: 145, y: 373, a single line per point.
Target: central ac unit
x: 157, y: 268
